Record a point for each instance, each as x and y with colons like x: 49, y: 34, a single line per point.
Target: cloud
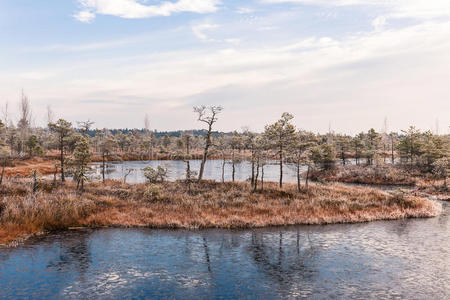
x: 379, y: 22
x: 417, y: 9
x: 354, y: 79
x: 84, y: 16
x: 80, y: 47
x: 200, y: 29
x: 245, y: 10
x: 133, y: 9
x: 319, y: 79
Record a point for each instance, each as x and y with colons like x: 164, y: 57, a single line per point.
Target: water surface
x: 405, y: 259
x: 177, y: 170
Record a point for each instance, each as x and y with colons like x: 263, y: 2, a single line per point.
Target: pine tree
x: 81, y: 158
x: 281, y: 134
x: 63, y: 130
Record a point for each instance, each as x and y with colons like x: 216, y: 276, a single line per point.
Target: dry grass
x: 207, y: 204
x: 26, y: 167
x: 382, y: 174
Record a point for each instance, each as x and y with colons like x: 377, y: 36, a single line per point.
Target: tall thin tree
x: 207, y: 115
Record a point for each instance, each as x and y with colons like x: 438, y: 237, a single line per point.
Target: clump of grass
x: 204, y: 204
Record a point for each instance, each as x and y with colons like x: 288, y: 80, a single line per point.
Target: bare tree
x: 187, y: 137
x: 106, y: 148
x: 24, y: 121
x: 4, y: 153
x: 25, y: 112
x: 222, y: 146
x: 207, y: 115
x: 5, y: 113
x: 146, y: 123
x: 85, y: 126
x: 50, y: 115
x: 149, y: 141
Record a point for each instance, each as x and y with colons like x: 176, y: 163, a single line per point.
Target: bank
x: 207, y: 204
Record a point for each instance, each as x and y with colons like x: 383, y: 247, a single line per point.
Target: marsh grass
x: 381, y: 174
x: 203, y: 205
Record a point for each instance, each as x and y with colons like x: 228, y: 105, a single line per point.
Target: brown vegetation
x: 25, y: 167
x: 201, y: 205
x: 382, y: 174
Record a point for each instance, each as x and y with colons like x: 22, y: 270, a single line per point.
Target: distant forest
x: 158, y: 134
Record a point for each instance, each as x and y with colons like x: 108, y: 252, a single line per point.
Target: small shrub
x: 153, y: 193
x: 154, y: 175
x: 122, y: 194
x: 400, y: 198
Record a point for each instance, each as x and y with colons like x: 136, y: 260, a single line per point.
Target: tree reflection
x: 74, y: 254
x: 287, y: 261
x: 207, y: 259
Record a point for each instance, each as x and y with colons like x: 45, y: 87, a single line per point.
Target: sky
x: 347, y: 65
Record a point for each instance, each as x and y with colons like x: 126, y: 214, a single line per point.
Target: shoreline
x: 173, y: 205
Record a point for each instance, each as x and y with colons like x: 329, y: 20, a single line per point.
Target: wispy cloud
x: 84, y: 16
x: 356, y: 71
x: 322, y: 60
x: 200, y: 30
x: 80, y: 47
x: 133, y: 9
x: 418, y: 9
x: 245, y: 10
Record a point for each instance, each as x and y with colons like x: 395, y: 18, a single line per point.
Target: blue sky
x: 348, y: 63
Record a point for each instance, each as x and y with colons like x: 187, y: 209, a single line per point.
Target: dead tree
x: 206, y: 115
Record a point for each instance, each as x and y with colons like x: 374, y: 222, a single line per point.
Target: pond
x: 177, y: 170
x: 404, y: 259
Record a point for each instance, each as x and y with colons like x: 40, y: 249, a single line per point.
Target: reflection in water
x: 397, y: 259
x: 208, y: 261
x: 75, y: 254
x: 289, y: 266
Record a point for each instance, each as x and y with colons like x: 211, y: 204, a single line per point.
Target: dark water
x: 177, y: 170
x: 405, y: 259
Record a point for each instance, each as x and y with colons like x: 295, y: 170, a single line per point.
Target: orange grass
x: 26, y: 167
x: 206, y: 204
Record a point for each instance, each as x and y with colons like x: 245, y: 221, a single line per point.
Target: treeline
x: 156, y: 133
x: 280, y: 143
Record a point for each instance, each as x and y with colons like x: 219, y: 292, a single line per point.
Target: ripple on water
x: 396, y: 259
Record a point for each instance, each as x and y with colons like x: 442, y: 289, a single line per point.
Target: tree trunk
x: 233, y: 171
x: 262, y: 178
x: 3, y: 171
x: 298, y: 177
x: 205, y: 153
x: 103, y: 167
x: 223, y: 170
x: 255, y: 180
x: 188, y: 170
x: 61, y: 148
x: 252, y: 181
x: 307, y: 178
x: 392, y: 151
x: 54, y: 175
x: 281, y: 166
